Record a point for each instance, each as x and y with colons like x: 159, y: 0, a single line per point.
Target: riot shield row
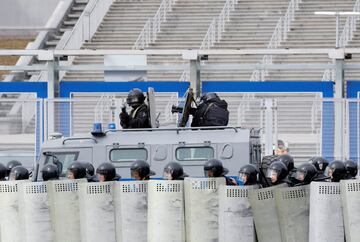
x: 194, y: 210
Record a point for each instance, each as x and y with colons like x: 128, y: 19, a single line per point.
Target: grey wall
x: 17, y: 17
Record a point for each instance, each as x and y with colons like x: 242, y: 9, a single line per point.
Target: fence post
x: 268, y: 106
x: 339, y: 127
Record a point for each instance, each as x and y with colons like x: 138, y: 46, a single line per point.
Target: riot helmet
x: 50, y: 172
x: 277, y: 171
x: 214, y: 168
x: 12, y: 164
x: 208, y: 96
x: 248, y: 174
x: 174, y: 171
x: 351, y: 169
x: 18, y: 173
x: 287, y: 159
x: 320, y: 163
x: 140, y: 170
x: 76, y: 170
x: 135, y: 98
x: 305, y: 173
x: 3, y: 172
x: 90, y: 170
x: 337, y: 171
x: 107, y: 172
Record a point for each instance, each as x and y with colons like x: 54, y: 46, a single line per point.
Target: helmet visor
x: 167, y: 175
x: 243, y: 177
x: 271, y: 173
x: 300, y: 176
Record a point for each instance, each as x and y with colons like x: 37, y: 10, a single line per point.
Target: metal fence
x: 308, y: 125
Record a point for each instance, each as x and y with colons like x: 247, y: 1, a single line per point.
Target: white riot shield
x: 326, y: 220
x: 202, y: 208
x: 64, y: 209
x: 236, y: 222
x: 166, y: 221
x: 97, y: 212
x: 9, y: 210
x: 293, y: 204
x: 131, y: 211
x: 265, y: 217
x: 34, y: 212
x: 350, y: 194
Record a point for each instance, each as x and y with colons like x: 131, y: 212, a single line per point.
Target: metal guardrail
x: 152, y: 26
x: 215, y: 30
x: 346, y: 36
x: 278, y: 36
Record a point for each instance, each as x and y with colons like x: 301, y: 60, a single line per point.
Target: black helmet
x: 90, y: 170
x: 351, y: 168
x: 216, y: 167
x: 3, y: 172
x: 78, y: 169
x: 18, y: 173
x: 108, y: 170
x: 251, y: 172
x: 135, y: 97
x: 319, y: 162
x: 305, y: 173
x: 337, y: 171
x: 279, y: 169
x: 287, y: 160
x: 174, y: 171
x: 12, y: 164
x: 142, y: 168
x: 50, y: 172
x: 209, y: 96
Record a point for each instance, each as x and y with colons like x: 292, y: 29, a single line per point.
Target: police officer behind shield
x: 305, y: 174
x: 351, y: 169
x: 320, y: 164
x: 76, y: 170
x: 12, y: 164
x: 140, y: 170
x: 3, y: 172
x: 139, y: 115
x: 18, y: 173
x: 337, y: 171
x: 214, y: 168
x: 248, y: 174
x: 107, y: 172
x: 174, y: 171
x: 50, y: 172
x: 90, y: 171
x: 277, y: 172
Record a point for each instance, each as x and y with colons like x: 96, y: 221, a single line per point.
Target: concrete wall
x: 24, y: 17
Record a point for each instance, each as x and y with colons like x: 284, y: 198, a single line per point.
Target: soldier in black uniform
x: 320, y: 164
x: 50, y: 172
x: 18, y: 173
x: 139, y: 115
x: 248, y: 174
x: 337, y: 171
x: 174, y: 171
x: 211, y: 111
x: 76, y: 170
x: 277, y: 172
x: 214, y: 168
x: 305, y: 174
x: 140, y: 170
x: 107, y: 172
x: 351, y: 169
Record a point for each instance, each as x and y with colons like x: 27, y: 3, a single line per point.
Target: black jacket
x: 211, y: 113
x: 138, y: 118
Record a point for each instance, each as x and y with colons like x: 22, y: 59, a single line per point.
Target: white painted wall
x: 21, y: 17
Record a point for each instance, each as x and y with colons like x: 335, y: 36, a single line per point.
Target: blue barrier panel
x: 326, y: 88
x: 40, y: 88
x: 66, y: 88
x: 352, y: 91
